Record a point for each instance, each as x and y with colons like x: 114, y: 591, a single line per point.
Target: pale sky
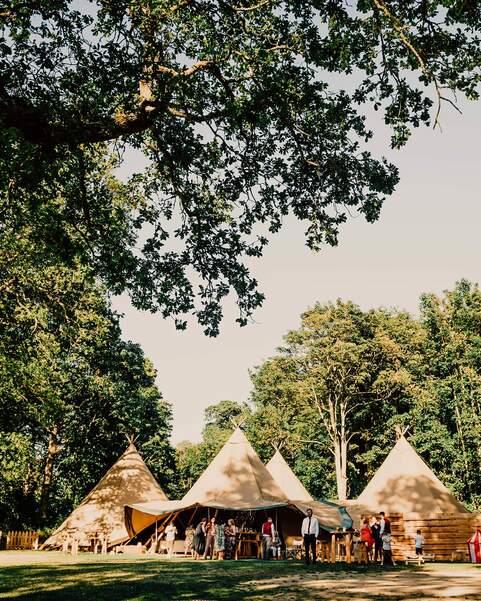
x: 427, y: 238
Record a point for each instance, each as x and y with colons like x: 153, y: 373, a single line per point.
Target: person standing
x: 209, y: 539
x: 276, y: 545
x: 267, y: 534
x: 230, y: 539
x: 376, y: 534
x: 219, y: 546
x: 170, y: 532
x: 310, y: 532
x: 387, y: 558
x: 385, y: 523
x: 367, y: 538
x: 198, y: 543
x: 419, y: 542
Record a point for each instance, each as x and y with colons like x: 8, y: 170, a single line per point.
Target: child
x: 276, y: 546
x: 419, y: 543
x: 386, y: 550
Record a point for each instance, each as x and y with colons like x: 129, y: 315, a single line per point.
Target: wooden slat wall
x: 21, y: 540
x: 444, y: 534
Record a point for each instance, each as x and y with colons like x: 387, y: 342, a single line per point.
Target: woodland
x: 244, y: 113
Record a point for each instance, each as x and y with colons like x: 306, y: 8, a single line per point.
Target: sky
x: 428, y: 237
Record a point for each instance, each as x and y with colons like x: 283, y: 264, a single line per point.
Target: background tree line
x: 332, y: 395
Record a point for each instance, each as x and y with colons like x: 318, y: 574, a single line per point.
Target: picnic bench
x: 419, y: 559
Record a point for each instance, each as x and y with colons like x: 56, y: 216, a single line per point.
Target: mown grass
x: 54, y: 577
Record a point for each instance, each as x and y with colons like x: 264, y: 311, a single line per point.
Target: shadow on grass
x: 159, y: 580
x: 146, y: 579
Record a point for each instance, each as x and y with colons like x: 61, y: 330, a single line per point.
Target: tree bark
x: 340, y: 462
x: 52, y: 450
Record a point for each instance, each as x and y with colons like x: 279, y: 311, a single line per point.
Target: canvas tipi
x: 405, y: 484
x: 236, y: 480
x: 101, y: 513
x: 286, y: 478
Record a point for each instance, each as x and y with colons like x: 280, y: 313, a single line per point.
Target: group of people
x: 271, y: 541
x: 377, y: 538
x: 211, y: 539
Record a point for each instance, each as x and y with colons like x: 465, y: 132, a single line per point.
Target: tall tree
x: 70, y: 387
x: 451, y: 426
x: 240, y: 121
x: 346, y: 365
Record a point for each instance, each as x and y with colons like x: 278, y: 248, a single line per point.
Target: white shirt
x: 170, y: 532
x: 386, y: 542
x: 383, y: 526
x: 310, y: 526
x: 419, y: 541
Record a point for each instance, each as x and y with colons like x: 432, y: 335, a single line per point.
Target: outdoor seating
x: 324, y: 551
x: 419, y: 559
x: 294, y: 551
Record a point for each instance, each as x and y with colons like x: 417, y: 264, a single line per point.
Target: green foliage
x: 389, y: 370
x: 340, y: 377
x: 70, y: 388
x: 238, y: 116
x: 452, y: 388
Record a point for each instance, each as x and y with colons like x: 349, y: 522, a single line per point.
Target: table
x: 249, y: 545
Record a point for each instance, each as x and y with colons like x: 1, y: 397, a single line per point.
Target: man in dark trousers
x: 376, y: 534
x: 267, y: 535
x: 310, y: 532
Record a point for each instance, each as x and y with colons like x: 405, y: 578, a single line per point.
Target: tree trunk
x: 52, y: 451
x: 340, y: 449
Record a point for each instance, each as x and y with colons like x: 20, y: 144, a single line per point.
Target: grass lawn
x: 43, y: 576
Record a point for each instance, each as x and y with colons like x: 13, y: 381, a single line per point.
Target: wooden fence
x: 21, y: 540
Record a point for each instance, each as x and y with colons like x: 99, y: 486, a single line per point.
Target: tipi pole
x: 333, y: 548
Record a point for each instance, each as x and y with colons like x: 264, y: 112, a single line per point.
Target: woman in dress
x: 230, y: 539
x: 198, y: 543
x: 367, y: 538
x: 209, y: 539
x: 219, y: 545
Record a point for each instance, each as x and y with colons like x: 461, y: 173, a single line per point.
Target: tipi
x: 236, y: 479
x: 405, y: 484
x: 101, y: 513
x: 286, y: 478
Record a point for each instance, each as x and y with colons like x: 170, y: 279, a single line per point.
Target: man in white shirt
x: 310, y: 532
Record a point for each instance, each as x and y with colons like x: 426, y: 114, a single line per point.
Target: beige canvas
x: 286, y: 478
x: 405, y: 484
x: 102, y: 511
x: 236, y: 479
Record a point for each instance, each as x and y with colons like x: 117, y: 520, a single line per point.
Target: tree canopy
x: 245, y: 112
x: 341, y: 384
x: 71, y: 390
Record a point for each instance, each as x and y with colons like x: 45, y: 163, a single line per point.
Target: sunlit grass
x: 55, y: 577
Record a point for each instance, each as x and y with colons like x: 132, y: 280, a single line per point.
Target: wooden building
x: 413, y: 497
